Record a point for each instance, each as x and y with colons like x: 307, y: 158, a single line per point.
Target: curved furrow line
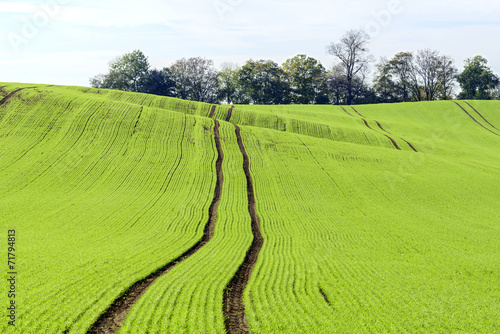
x: 380, y: 126
x: 357, y: 112
x: 212, y: 112
x: 9, y: 96
x: 475, y: 120
x: 80, y: 134
x: 233, y: 306
x: 229, y: 114
x: 324, y: 296
x: 42, y: 137
x: 367, y: 125
x: 410, y: 144
x: 346, y: 111
x: 393, y: 142
x: 110, y: 321
x: 137, y: 122
x: 481, y: 115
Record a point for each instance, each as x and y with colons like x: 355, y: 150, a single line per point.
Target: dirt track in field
x: 10, y: 95
x: 481, y: 115
x: 137, y: 122
x: 357, y: 112
x: 346, y: 111
x: 475, y: 120
x: 324, y: 296
x: 410, y: 144
x: 111, y: 320
x: 229, y: 114
x: 367, y: 125
x: 212, y: 112
x: 234, y: 308
x: 381, y: 128
x: 393, y: 142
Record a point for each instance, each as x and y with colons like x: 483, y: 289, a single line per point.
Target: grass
x: 104, y: 187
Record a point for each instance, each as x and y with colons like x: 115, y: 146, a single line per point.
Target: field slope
x: 261, y: 219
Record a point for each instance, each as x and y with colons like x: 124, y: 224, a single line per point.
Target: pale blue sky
x: 68, y: 41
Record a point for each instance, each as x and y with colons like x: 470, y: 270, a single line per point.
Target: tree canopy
x: 407, y: 76
x: 477, y: 80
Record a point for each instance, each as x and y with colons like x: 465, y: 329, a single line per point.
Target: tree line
x: 425, y: 75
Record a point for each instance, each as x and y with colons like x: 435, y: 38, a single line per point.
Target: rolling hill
x: 158, y: 215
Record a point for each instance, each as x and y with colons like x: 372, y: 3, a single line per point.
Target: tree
x: 353, y: 53
x: 229, y: 88
x: 337, y: 85
x: 384, y: 84
x: 128, y: 72
x: 426, y: 76
x: 159, y: 83
x: 405, y: 79
x: 263, y: 82
x: 477, y: 80
x: 447, y: 74
x: 307, y: 79
x: 195, y: 79
x: 426, y: 65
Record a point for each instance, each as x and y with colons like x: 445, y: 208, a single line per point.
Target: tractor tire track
x: 481, y: 115
x: 233, y: 306
x: 409, y: 144
x: 380, y: 126
x: 137, y: 122
x: 212, y: 112
x: 367, y: 125
x: 346, y: 111
x: 229, y: 114
x: 324, y: 296
x: 111, y: 320
x: 475, y: 120
x: 357, y: 112
x: 10, y: 95
x: 392, y: 140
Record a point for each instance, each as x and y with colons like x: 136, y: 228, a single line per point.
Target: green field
x: 375, y: 219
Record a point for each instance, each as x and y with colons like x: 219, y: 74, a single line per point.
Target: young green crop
x: 103, y: 187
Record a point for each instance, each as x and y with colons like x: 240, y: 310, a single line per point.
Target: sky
x: 66, y: 42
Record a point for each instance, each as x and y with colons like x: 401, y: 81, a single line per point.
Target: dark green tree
x: 264, y: 82
x: 307, y: 78
x: 160, y: 83
x: 128, y: 72
x: 477, y: 80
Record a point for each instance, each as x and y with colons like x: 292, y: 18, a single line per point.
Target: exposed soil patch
x: 346, y: 111
x: 111, y: 320
x: 229, y: 114
x: 481, y: 115
x: 367, y: 125
x: 10, y: 95
x: 233, y: 306
x: 474, y: 118
x: 324, y: 296
x: 410, y: 144
x: 212, y: 112
x: 381, y: 128
x: 357, y: 112
x: 393, y: 142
